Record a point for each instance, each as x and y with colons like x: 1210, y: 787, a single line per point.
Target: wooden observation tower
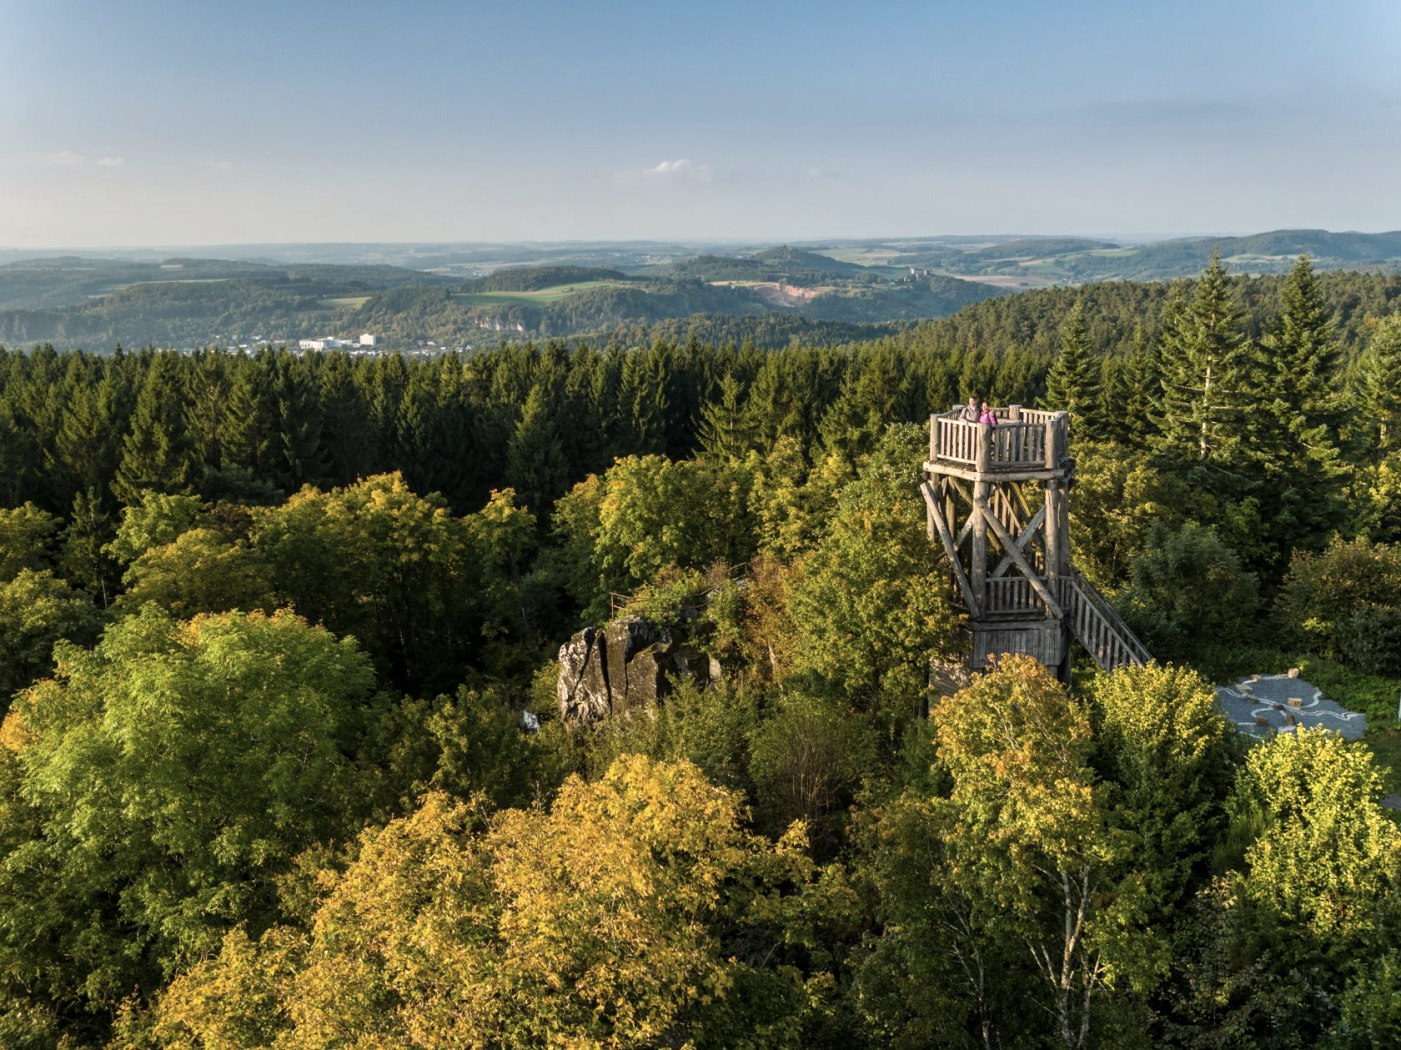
x: 996, y: 502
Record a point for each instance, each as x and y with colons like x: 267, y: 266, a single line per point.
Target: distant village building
x: 368, y: 340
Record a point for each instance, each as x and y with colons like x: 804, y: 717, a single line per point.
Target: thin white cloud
x: 110, y: 162
x: 682, y: 168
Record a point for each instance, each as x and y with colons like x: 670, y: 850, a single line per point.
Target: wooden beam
x: 978, y: 544
x: 1018, y: 559
x: 941, y: 526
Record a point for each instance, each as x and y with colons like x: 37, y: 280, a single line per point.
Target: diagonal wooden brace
x: 1028, y: 531
x: 936, y: 515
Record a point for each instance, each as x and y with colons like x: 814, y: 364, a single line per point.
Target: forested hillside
x: 283, y: 762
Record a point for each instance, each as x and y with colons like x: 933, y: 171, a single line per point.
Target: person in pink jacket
x: 987, y: 416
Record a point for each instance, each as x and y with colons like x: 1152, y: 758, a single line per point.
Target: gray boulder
x: 620, y: 668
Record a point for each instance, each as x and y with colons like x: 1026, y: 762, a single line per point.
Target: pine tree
x: 1073, y: 383
x: 1199, y: 417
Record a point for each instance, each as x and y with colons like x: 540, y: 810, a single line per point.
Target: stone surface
x: 583, y: 677
x: 623, y: 667
x: 1263, y: 705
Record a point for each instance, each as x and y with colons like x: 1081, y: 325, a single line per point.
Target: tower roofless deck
x: 1026, y: 444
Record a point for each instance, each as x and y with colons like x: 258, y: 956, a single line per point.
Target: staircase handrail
x: 1132, y: 650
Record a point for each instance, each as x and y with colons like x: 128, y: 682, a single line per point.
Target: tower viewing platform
x: 996, y: 502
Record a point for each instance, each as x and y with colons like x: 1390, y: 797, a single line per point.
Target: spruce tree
x: 1143, y: 389
x: 1199, y: 415
x: 154, y: 454
x: 1073, y: 383
x: 83, y: 559
x: 1292, y: 416
x: 246, y: 434
x: 1380, y: 392
x: 535, y: 463
x: 725, y: 433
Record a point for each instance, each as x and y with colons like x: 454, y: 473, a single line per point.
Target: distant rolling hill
x: 534, y: 291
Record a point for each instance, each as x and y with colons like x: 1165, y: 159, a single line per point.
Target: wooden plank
x: 1046, y: 596
x: 1002, y: 473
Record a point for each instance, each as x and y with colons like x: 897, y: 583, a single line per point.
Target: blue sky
x: 198, y: 122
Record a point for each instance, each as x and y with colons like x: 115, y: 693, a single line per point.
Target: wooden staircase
x: 1098, y: 628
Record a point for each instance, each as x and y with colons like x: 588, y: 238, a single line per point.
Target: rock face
x: 619, y: 668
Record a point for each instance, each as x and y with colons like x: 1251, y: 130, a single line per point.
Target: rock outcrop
x: 620, y: 668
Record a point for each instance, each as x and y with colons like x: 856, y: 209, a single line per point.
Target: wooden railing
x: 1091, y: 618
x: 1098, y: 628
x: 1023, y: 438
x: 1010, y: 595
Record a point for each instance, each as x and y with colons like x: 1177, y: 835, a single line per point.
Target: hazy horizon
x: 151, y: 124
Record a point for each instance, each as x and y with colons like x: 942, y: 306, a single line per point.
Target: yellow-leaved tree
x: 635, y: 911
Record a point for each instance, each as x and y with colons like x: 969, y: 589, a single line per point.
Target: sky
x: 148, y: 122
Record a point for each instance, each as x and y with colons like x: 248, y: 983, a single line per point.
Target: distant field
x: 352, y: 302
x: 862, y: 256
x: 543, y: 295
x: 1002, y: 280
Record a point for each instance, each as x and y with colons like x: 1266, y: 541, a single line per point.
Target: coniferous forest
x: 283, y: 764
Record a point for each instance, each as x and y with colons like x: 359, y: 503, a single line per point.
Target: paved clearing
x: 1265, y: 704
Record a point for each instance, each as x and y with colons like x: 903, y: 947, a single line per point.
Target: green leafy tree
x: 37, y: 610
x: 1325, y: 859
x: 154, y: 519
x: 1167, y: 758
x: 1308, y: 914
x: 641, y: 894
x: 1186, y: 587
x: 376, y: 561
x: 27, y: 536
x: 1025, y: 838
x: 200, y: 571
x: 870, y: 604
x: 647, y: 513
x: 176, y: 770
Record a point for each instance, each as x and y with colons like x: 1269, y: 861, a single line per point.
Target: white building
x: 368, y: 340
